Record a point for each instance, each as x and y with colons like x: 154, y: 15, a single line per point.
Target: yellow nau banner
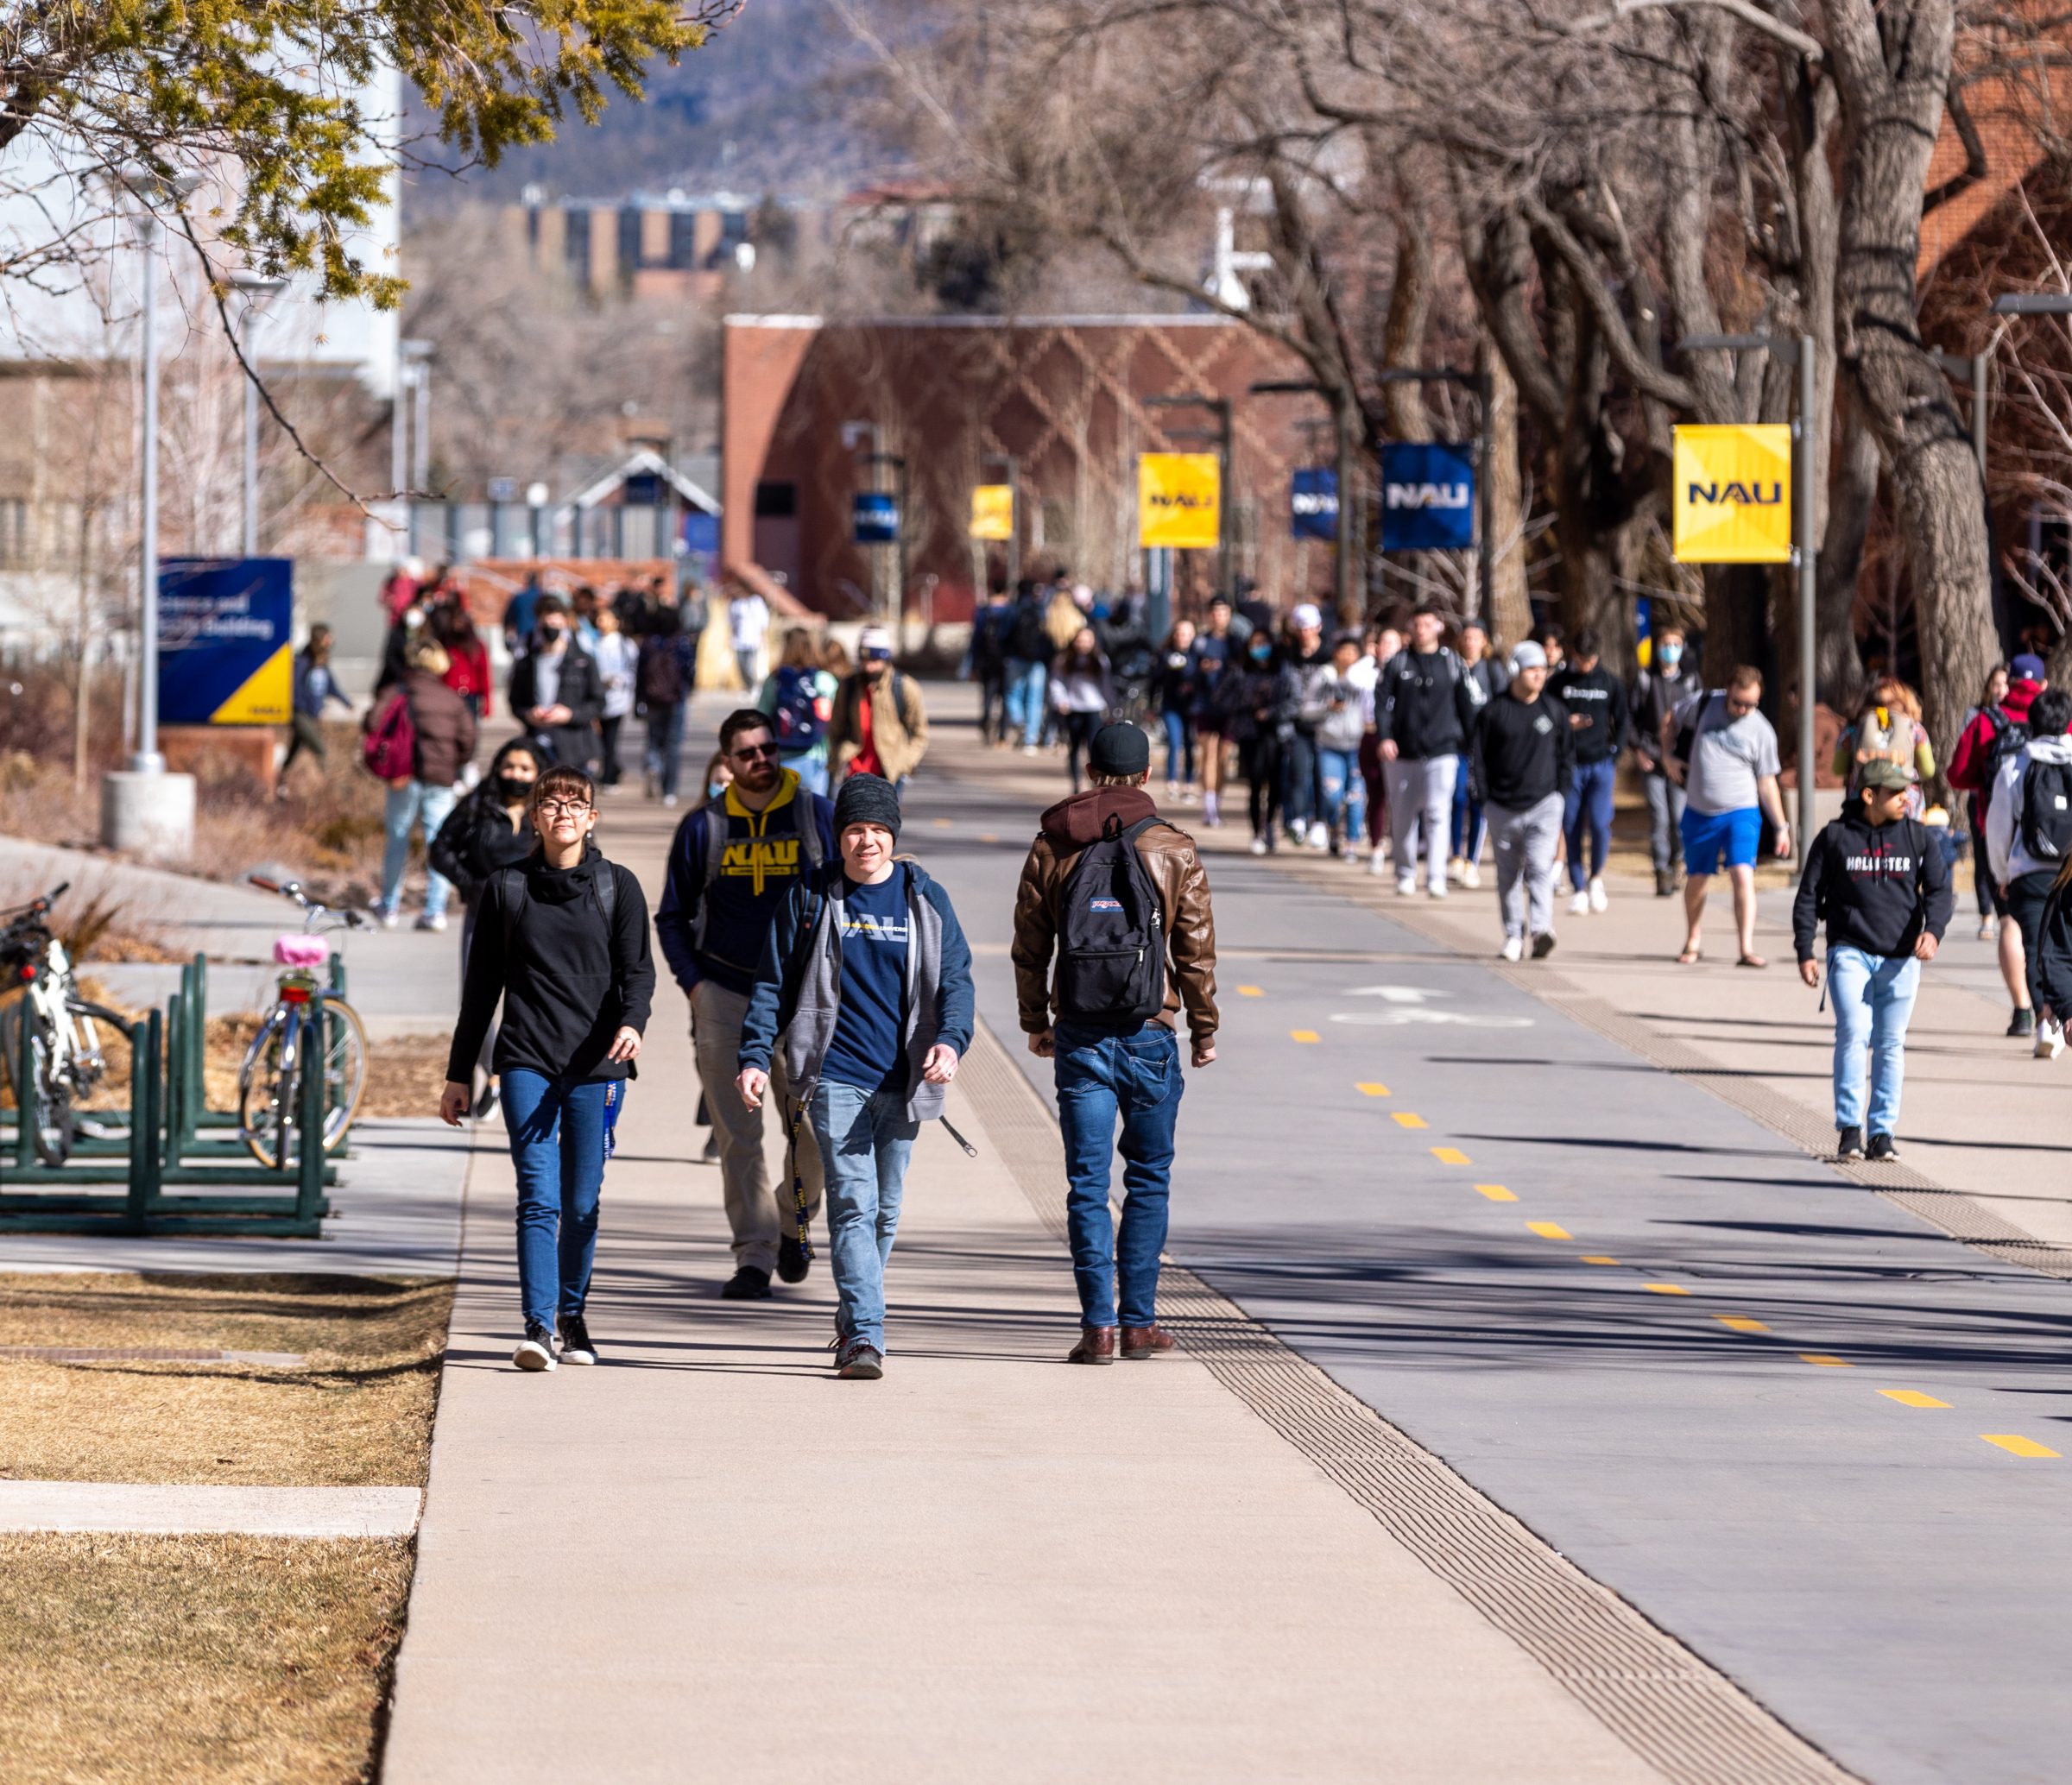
x: 1179, y: 500
x: 992, y: 511
x: 1732, y: 498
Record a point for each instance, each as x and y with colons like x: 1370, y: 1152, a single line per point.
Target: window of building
x: 575, y: 242
x: 13, y: 530
x: 629, y: 239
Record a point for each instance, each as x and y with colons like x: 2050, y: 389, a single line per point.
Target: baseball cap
x: 2028, y: 667
x: 1306, y: 617
x: 1886, y: 774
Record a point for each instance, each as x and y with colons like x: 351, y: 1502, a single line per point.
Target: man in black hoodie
x: 1880, y: 880
x: 1521, y: 763
x: 1424, y: 708
x: 1596, y: 699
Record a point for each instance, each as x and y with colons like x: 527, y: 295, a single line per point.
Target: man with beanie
x: 1108, y: 881
x: 865, y: 984
x: 879, y: 726
x: 730, y: 868
x: 1880, y: 880
x: 1522, y: 764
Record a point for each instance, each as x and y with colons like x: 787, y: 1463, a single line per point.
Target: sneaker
x: 576, y: 1347
x: 1173, y: 791
x: 1543, y: 944
x: 1665, y: 884
x: 1377, y: 863
x: 536, y: 1350
x: 792, y: 1263
x: 1259, y: 845
x: 1454, y: 869
x: 1883, y: 1148
x: 1513, y: 948
x: 2022, y: 1024
x: 710, y: 1155
x: 1470, y: 874
x: 387, y: 918
x: 668, y: 802
x: 1579, y: 906
x: 860, y: 1361
x: 747, y: 1284
x: 1598, y: 901
x: 1028, y: 749
x: 431, y: 920
x: 2049, y: 1039
x: 1439, y: 889
x: 1320, y: 835
x: 1212, y: 811
x: 1406, y: 886
x: 1989, y: 928
x: 1848, y: 1144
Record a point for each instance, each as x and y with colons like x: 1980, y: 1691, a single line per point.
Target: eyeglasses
x: 749, y: 752
x: 564, y: 808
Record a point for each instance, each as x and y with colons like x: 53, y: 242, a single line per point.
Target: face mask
x: 1671, y: 656
x: 551, y: 637
x: 1261, y: 653
x: 511, y: 788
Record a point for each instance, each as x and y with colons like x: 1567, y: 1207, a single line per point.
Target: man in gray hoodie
x: 2029, y: 838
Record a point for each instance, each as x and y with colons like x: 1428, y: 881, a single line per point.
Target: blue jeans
x: 1587, y: 814
x: 1024, y: 702
x: 411, y: 804
x: 1179, y: 747
x: 1138, y: 1078
x: 813, y: 770
x: 1341, y: 795
x: 666, y: 742
x: 1470, y: 827
x: 560, y: 1134
x: 865, y: 1138
x: 1298, y: 781
x: 1873, y: 996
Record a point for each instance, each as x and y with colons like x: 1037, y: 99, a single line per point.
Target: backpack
x: 2009, y: 734
x: 388, y: 750
x: 1111, y: 937
x: 659, y: 678
x: 2047, y: 810
x: 1882, y: 735
x: 800, y: 721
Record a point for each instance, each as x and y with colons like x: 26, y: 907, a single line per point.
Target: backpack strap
x: 510, y: 882
x: 807, y: 817
x: 604, y: 887
x: 715, y: 859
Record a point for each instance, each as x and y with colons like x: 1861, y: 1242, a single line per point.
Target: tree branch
x: 1746, y: 10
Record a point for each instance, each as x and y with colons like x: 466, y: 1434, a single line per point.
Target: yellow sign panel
x: 992, y: 511
x: 1179, y: 500
x: 267, y: 696
x: 1732, y: 497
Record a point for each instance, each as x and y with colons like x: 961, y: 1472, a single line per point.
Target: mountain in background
x: 766, y: 106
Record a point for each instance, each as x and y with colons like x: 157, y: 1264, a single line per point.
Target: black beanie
x: 866, y: 799
x: 1120, y: 749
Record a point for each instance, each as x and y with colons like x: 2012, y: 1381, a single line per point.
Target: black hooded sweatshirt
x: 1878, y: 886
x: 568, y: 985
x: 1425, y: 702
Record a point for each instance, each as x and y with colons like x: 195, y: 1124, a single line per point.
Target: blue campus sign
x: 1313, y: 503
x: 226, y: 649
x: 876, y: 518
x: 1427, y: 496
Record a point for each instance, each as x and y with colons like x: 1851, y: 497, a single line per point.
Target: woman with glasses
x: 561, y: 938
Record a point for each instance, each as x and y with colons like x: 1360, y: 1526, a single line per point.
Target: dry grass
x: 405, y: 1075
x: 195, y: 1660
x: 357, y: 1413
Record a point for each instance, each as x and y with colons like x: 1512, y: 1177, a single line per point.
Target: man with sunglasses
x: 1724, y: 753
x: 733, y: 863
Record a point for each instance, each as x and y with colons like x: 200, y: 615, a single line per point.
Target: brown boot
x: 1096, y: 1346
x: 1145, y: 1341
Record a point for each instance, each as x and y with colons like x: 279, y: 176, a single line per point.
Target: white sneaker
x: 1028, y: 749
x: 431, y: 920
x: 1439, y: 889
x: 1454, y: 869
x: 387, y: 918
x: 1377, y: 864
x: 2049, y: 1039
x: 535, y: 1351
x: 1259, y: 845
x: 1598, y: 901
x: 1579, y: 905
x: 668, y: 801
x: 1514, y: 948
x: 1320, y: 834
x: 1471, y: 875
x: 1406, y: 886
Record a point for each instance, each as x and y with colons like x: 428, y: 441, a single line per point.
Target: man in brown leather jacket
x: 1126, y: 1069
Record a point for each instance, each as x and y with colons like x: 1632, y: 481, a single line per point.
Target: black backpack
x: 2047, y: 810
x: 2009, y: 734
x: 1111, y: 935
x: 660, y: 678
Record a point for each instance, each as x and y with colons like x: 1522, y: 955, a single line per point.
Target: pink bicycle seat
x: 301, y: 950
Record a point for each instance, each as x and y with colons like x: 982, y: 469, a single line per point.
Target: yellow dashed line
x: 988, y: 836
x: 1304, y: 1035
x: 1409, y: 1120
x: 1911, y: 1398
x: 1372, y: 1090
x: 1450, y: 1156
x: 1547, y: 1230
x: 2017, y: 1445
x: 1666, y: 1289
x: 1496, y: 1193
x: 1824, y: 1361
x: 1740, y: 1323
x: 942, y: 823
x: 1593, y: 1258
x: 1250, y: 991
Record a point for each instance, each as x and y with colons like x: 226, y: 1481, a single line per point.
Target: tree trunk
x: 1737, y: 614
x: 1510, y: 610
x: 1852, y: 496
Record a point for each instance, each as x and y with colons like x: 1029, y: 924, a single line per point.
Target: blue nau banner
x: 1313, y: 503
x: 876, y: 518
x: 226, y: 641
x: 1427, y: 496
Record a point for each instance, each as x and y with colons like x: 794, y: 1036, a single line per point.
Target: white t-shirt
x: 748, y: 616
x: 618, y: 657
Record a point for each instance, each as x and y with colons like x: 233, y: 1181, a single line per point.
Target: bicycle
x: 64, y: 1059
x: 268, y: 1082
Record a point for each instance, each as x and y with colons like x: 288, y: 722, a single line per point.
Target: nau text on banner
x: 1179, y: 500
x: 1732, y: 496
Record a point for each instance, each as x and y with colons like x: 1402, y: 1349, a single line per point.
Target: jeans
x: 1024, y: 701
x: 1179, y: 747
x: 558, y: 1132
x: 1341, y: 795
x: 666, y: 742
x: 410, y: 804
x: 864, y: 1139
x: 812, y: 770
x: 1524, y: 838
x: 1873, y: 996
x: 1665, y: 822
x: 1102, y: 1077
x: 1421, y: 788
x: 748, y: 659
x: 1299, y: 779
x: 1471, y: 825
x: 607, y: 748
x: 1589, y: 817
x: 755, y: 1217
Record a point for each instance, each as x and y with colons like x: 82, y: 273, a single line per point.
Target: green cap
x: 1887, y: 775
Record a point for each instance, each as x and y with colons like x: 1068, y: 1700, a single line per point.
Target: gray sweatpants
x: 1421, y: 790
x: 754, y: 1216
x: 1523, y: 842
x: 1665, y: 822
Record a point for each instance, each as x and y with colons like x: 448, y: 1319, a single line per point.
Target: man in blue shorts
x: 1725, y: 753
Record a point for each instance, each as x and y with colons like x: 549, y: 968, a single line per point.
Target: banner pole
x: 1808, y: 593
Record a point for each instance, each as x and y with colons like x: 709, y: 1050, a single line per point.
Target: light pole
x: 256, y: 288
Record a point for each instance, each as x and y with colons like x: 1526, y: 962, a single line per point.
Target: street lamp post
x: 256, y: 288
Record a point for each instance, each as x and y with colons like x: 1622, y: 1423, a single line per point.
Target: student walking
x: 1305, y: 661
x: 1522, y: 758
x: 1217, y: 653
x: 556, y: 692
x: 1974, y: 809
x: 1658, y: 691
x: 799, y: 697
x: 441, y: 741
x: 732, y: 864
x: 1175, y: 686
x: 880, y: 724
x: 1596, y: 699
x: 1108, y: 881
x: 1425, y: 709
x: 865, y: 984
x: 315, y: 689
x: 1728, y: 766
x: 2029, y: 839
x: 562, y: 940
x: 1469, y: 827
x: 1878, y: 877
x: 663, y: 679
x: 1083, y: 691
x: 1345, y: 703
x: 1992, y: 738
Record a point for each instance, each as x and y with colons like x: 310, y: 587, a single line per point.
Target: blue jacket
x: 763, y: 859
x: 798, y: 991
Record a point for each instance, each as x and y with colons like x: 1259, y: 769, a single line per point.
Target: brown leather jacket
x: 1175, y: 869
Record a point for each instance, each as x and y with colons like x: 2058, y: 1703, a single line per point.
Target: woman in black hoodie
x: 562, y: 939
